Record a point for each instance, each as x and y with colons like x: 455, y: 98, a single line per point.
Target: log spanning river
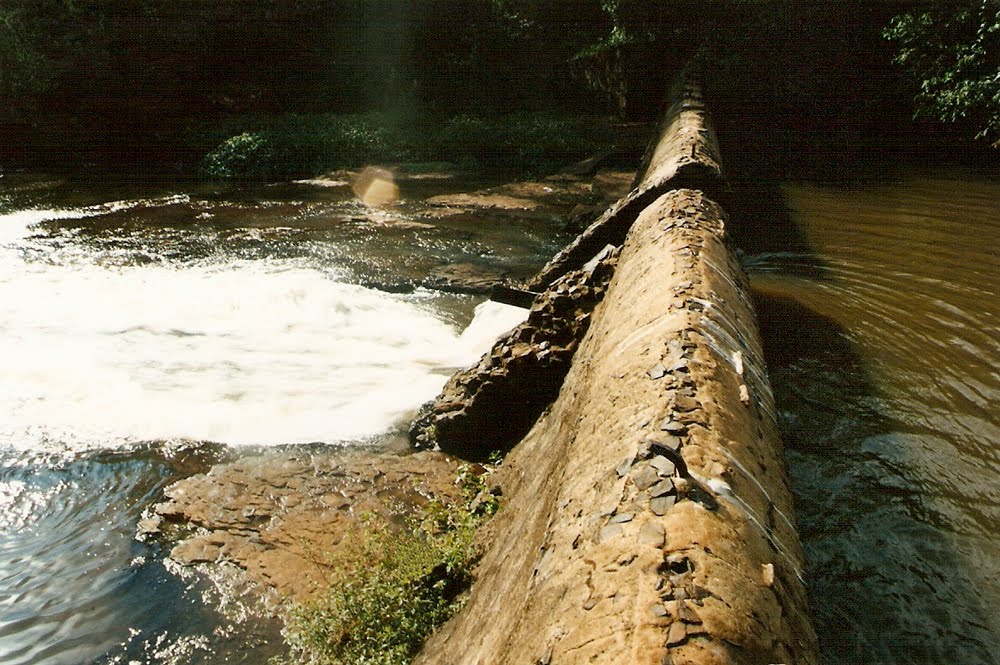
x: 139, y: 321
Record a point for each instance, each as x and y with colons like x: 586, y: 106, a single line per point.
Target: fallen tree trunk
x: 684, y: 154
x: 647, y: 516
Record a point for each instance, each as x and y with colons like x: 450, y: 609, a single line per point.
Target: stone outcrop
x: 282, y: 516
x: 491, y: 406
x: 648, y: 517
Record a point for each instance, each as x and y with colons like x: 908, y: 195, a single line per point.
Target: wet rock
x: 464, y: 278
x: 148, y: 526
x: 485, y: 199
x: 491, y: 406
x: 195, y: 551
x: 581, y: 216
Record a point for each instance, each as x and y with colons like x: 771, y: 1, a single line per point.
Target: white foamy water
x: 238, y: 352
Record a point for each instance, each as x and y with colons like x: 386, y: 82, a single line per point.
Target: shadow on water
x: 889, y: 579
x: 763, y: 230
x: 885, y: 583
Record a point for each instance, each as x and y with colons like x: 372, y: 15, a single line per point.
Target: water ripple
x: 884, y: 361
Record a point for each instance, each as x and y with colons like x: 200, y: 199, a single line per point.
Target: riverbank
x: 258, y: 147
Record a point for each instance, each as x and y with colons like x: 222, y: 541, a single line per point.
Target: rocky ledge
x: 489, y: 407
x: 282, y: 516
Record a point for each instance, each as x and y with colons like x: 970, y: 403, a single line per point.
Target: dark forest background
x: 158, y: 83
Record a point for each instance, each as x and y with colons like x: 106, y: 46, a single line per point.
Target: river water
x: 880, y: 306
x: 147, y: 330
x: 139, y: 321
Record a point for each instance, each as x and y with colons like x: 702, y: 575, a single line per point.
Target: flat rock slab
x: 547, y: 193
x: 464, y: 278
x: 279, y: 517
x: 484, y: 200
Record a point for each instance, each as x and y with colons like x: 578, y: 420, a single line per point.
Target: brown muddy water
x: 880, y: 307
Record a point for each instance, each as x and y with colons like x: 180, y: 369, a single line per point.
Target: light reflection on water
x: 882, y: 334
x: 76, y: 587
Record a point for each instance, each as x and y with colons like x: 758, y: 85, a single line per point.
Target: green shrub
x: 304, y: 145
x: 247, y: 155
x: 532, y: 141
x: 394, y: 586
x: 301, y: 145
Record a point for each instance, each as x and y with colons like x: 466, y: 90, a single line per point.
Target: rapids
x: 146, y: 331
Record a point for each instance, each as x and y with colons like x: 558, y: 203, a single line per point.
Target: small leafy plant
x: 394, y: 586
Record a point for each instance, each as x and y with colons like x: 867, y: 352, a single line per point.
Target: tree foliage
x: 952, y: 49
x: 20, y: 66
